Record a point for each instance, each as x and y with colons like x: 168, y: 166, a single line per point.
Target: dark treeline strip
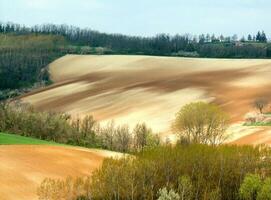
x: 22, y: 119
x: 161, y: 44
x: 189, y: 172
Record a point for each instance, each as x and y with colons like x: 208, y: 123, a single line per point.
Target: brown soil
x: 23, y: 167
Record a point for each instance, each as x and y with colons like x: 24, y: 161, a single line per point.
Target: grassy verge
x: 9, y: 139
x: 258, y: 124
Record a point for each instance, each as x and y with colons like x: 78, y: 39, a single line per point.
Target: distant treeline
x: 253, y: 46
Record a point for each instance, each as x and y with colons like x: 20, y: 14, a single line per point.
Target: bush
x: 185, y: 188
x: 69, y: 189
x: 201, y: 123
x: 265, y: 192
x: 250, y: 187
x: 164, y: 194
x: 214, y: 195
x: 24, y: 120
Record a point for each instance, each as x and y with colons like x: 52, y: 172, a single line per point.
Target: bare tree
x: 141, y: 132
x: 107, y: 134
x: 122, y: 138
x: 260, y: 104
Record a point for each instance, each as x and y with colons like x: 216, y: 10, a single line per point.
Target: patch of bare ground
x: 262, y: 136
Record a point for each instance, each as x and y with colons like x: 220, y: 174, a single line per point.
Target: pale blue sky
x: 145, y: 17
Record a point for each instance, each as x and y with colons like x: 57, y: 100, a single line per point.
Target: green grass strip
x: 9, y: 139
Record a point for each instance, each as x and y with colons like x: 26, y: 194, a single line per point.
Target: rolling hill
x: 26, y: 162
x: 132, y: 89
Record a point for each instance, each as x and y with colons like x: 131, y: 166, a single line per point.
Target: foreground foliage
x: 69, y: 189
x: 182, y: 172
x: 255, y: 188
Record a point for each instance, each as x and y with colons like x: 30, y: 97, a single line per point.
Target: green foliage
x: 185, y: 188
x: 265, y: 192
x: 23, y: 59
x: 153, y: 140
x: 258, y: 124
x: 24, y: 120
x: 231, y: 50
x: 201, y: 123
x: 254, y: 188
x: 206, y: 172
x: 250, y: 187
x: 214, y: 195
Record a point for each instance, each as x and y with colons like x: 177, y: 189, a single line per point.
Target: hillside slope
x: 23, y: 167
x: 132, y: 89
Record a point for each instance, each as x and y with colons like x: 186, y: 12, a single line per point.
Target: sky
x: 145, y: 17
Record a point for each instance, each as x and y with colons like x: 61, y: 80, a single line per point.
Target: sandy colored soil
x: 23, y: 167
x: 132, y: 89
x: 259, y: 136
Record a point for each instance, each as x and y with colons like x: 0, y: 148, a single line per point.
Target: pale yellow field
x: 132, y: 89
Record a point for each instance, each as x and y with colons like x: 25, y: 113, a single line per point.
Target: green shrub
x: 185, y: 188
x: 250, y: 187
x: 265, y: 192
